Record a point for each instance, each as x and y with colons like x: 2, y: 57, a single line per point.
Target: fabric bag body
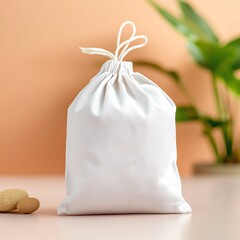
x: 121, y: 147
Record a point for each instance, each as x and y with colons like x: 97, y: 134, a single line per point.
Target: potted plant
x: 221, y: 60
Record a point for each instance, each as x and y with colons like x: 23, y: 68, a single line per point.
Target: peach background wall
x: 42, y: 70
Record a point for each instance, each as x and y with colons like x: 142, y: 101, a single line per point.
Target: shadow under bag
x: 121, y: 142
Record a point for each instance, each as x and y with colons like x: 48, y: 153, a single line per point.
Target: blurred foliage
x: 222, y: 60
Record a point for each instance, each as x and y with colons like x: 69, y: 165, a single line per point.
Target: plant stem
x: 214, y: 146
x: 217, y: 98
x: 225, y: 129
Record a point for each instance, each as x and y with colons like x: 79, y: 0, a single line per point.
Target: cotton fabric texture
x: 121, y: 143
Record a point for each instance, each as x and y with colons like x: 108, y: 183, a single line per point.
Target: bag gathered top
x: 121, y: 142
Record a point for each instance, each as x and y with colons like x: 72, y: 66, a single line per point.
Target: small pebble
x: 28, y: 205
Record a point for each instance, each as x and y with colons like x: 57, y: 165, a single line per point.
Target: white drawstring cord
x: 119, y: 36
x: 124, y: 45
x: 127, y: 42
x: 100, y: 51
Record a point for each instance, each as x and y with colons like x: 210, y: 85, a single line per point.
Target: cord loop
x: 124, y: 45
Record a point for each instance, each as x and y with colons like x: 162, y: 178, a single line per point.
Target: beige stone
x: 28, y: 205
x: 10, y: 197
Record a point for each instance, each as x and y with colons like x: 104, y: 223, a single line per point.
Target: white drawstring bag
x: 121, y: 143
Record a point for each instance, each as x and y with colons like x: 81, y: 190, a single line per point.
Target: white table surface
x: 215, y: 202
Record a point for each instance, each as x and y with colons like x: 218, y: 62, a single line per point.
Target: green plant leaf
x: 230, y: 81
x: 176, y: 23
x: 186, y: 113
x: 172, y: 74
x: 235, y: 46
x: 211, y: 55
x: 191, y: 25
x: 213, y: 123
x: 196, y: 23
